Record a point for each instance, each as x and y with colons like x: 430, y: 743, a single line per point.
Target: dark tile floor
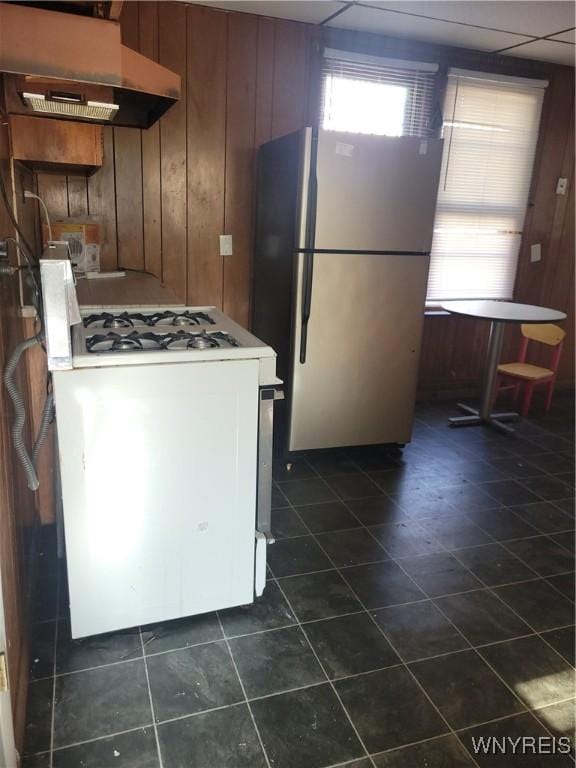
x: 414, y: 603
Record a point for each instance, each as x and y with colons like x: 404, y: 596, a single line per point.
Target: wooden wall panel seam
x: 239, y: 168
x: 151, y: 154
x: 172, y: 24
x: 226, y: 157
x: 206, y: 174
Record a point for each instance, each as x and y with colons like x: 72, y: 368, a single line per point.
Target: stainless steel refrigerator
x: 343, y: 235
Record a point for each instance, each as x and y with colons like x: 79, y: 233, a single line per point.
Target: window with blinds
x: 490, y: 133
x: 369, y: 94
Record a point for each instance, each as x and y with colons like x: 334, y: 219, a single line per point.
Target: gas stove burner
x: 124, y: 343
x: 118, y: 322
x: 201, y: 342
x: 122, y: 320
x: 181, y: 318
x: 107, y: 320
x: 116, y: 342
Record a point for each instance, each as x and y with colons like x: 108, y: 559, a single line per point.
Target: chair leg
x: 528, y: 392
x: 549, y: 393
x: 516, y: 393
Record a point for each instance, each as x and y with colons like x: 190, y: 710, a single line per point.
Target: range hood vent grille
x: 81, y: 69
x: 69, y: 107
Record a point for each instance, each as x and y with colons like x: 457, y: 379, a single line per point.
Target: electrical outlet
x: 225, y: 245
x: 535, y: 252
x: 561, y: 186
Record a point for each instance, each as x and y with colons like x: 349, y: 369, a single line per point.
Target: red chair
x: 523, y: 373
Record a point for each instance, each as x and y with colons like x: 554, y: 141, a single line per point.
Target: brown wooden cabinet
x: 56, y: 145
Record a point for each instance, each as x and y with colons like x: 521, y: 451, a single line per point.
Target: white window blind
x: 490, y: 133
x: 369, y: 94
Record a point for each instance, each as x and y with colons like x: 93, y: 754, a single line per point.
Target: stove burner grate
x: 136, y: 341
x: 131, y: 319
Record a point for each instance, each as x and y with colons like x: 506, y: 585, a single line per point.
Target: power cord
x: 28, y: 195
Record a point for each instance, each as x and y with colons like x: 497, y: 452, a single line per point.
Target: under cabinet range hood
x: 75, y: 68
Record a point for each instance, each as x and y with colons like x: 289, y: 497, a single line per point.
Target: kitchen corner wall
x: 167, y: 193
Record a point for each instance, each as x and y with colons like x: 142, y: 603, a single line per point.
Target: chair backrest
x: 545, y: 333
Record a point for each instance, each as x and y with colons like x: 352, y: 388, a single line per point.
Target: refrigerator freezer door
x: 358, y: 384
x: 375, y: 193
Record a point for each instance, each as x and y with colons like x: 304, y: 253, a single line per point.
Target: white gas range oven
x: 164, y: 426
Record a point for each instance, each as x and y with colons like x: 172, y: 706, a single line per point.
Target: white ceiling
x: 513, y: 27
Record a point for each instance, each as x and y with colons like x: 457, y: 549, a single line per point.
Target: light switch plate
x: 561, y: 186
x: 225, y: 245
x: 536, y: 252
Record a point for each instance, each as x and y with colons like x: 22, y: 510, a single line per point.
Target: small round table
x: 499, y: 313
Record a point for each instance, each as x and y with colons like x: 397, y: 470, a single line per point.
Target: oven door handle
x: 265, y: 443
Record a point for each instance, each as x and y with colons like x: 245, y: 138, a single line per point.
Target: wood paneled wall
x: 166, y: 194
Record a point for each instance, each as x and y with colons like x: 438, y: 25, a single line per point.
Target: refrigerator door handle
x: 307, y: 275
x: 311, y: 204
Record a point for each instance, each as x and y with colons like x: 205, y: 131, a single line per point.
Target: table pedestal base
x: 484, y: 415
x: 474, y: 419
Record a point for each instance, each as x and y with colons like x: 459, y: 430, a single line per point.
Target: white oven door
x: 158, y: 467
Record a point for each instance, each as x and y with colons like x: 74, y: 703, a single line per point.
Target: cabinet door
x: 42, y: 143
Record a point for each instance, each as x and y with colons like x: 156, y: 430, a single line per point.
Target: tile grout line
x: 154, y: 725
x: 421, y: 521
x: 91, y: 741
x: 329, y: 681
x: 403, y: 662
x: 486, y: 644
x: 406, y: 665
x: 380, y: 630
x: 56, y: 624
x: 479, y: 654
x: 302, y: 629
x: 304, y: 625
x: 282, y: 592
x: 486, y: 661
x: 536, y: 633
x: 444, y: 550
x: 418, y: 522
x: 291, y: 690
x: 246, y: 701
x: 443, y: 547
x: 539, y: 577
x: 474, y: 650
x: 425, y: 598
